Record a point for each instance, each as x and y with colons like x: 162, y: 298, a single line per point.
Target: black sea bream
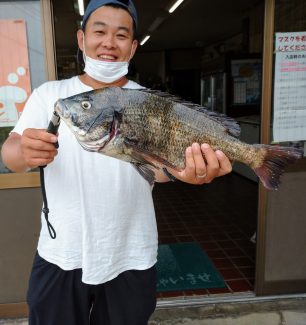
x: 153, y: 129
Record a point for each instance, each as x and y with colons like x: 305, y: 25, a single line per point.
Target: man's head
x: 107, y: 35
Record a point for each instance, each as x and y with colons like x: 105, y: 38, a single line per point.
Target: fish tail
x: 274, y: 162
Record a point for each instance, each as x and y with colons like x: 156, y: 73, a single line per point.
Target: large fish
x: 153, y: 129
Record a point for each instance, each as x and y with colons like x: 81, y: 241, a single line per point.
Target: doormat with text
x: 185, y: 266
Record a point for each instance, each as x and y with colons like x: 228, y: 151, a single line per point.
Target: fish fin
x: 146, y: 156
x: 275, y: 161
x: 146, y: 172
x: 230, y: 125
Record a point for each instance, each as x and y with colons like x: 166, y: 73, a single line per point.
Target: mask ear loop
x: 84, y: 51
x: 130, y: 58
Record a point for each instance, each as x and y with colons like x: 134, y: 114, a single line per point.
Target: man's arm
x: 203, y: 164
x: 35, y: 147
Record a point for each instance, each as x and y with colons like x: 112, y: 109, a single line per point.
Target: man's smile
x: 107, y: 57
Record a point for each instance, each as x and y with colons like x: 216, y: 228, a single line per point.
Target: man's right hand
x: 35, y: 147
x: 38, y: 147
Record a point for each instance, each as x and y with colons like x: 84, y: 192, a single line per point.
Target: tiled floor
x: 221, y: 216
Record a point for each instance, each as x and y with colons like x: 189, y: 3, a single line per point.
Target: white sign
x: 289, y: 122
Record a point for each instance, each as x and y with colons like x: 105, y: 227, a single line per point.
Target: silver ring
x: 201, y: 176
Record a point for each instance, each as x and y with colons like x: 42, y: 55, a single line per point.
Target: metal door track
x: 218, y: 299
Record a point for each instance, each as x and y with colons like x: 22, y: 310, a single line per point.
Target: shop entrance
x: 221, y: 218
x: 207, y: 64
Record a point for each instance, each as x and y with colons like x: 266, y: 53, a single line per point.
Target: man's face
x: 109, y: 35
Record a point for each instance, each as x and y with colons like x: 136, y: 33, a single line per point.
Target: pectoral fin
x: 140, y: 154
x: 146, y: 172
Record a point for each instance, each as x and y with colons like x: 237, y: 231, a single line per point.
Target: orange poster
x: 15, y: 84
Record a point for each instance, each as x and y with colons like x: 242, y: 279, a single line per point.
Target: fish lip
x: 57, y: 109
x: 65, y: 114
x: 61, y: 109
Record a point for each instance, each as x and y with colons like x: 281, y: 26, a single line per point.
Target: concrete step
x: 274, y: 312
x: 287, y: 318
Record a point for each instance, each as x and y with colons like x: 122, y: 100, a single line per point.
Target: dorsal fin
x: 231, y: 125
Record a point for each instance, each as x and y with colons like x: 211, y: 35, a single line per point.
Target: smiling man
x: 100, y: 268
x: 108, y: 44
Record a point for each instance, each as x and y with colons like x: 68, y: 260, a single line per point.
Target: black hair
x: 113, y: 5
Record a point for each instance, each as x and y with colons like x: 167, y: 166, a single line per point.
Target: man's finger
x: 190, y: 164
x: 225, y: 164
x: 200, y: 166
x: 212, y: 162
x: 40, y: 134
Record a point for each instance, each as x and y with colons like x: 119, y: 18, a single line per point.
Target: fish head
x: 91, y: 116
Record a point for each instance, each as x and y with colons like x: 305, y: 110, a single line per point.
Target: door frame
x: 266, y: 108
x: 271, y: 212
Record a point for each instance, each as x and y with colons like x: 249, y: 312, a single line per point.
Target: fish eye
x: 86, y: 104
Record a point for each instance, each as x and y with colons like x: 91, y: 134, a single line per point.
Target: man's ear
x: 80, y: 37
x: 134, y: 48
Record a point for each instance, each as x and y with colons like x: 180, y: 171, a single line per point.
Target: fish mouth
x: 61, y: 110
x: 82, y: 134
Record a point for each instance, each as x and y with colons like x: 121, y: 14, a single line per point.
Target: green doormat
x: 184, y: 266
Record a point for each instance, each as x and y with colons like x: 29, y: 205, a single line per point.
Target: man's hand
x: 37, y: 147
x: 203, y: 164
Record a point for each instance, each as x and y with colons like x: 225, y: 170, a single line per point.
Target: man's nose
x: 109, y: 41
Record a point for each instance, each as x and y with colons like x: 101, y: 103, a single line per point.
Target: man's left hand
x: 203, y: 164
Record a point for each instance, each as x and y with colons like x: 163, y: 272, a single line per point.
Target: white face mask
x: 104, y: 71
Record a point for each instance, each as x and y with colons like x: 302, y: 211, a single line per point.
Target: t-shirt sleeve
x: 34, y: 114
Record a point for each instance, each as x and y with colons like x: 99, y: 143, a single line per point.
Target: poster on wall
x: 15, y: 83
x: 246, y: 74
x: 289, y: 121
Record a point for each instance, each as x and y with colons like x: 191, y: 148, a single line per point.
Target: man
x: 100, y: 268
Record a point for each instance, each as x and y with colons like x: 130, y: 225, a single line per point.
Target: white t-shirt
x: 101, y: 208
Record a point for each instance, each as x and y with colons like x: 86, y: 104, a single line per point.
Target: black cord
x: 45, y: 209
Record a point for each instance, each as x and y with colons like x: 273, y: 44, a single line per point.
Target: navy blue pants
x: 57, y: 297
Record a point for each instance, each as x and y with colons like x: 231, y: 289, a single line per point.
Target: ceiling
x: 196, y: 23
